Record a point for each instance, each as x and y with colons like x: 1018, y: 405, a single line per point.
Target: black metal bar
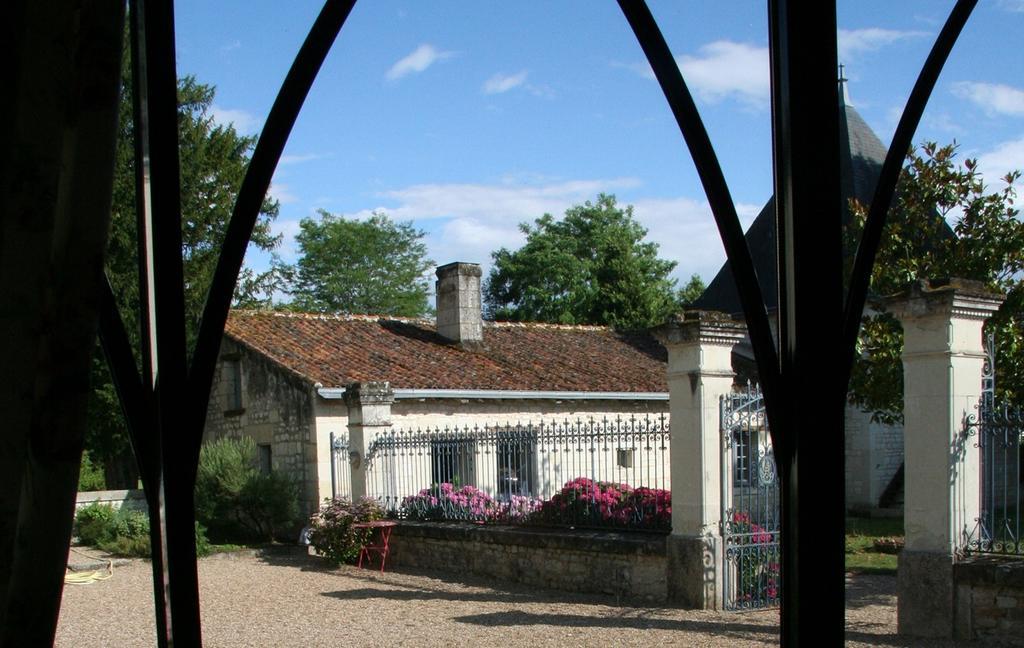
x: 687, y: 116
x: 860, y: 279
x: 159, y: 205
x: 805, y: 115
x: 247, y: 205
x: 136, y: 405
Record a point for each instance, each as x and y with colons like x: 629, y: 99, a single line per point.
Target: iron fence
x: 341, y: 473
x: 998, y: 429
x: 750, y: 504
x: 608, y: 472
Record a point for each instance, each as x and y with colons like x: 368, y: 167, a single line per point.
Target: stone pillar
x: 943, y: 355
x: 700, y: 345
x: 369, y: 414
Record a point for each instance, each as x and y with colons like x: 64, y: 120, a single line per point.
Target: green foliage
x: 90, y: 476
x: 331, y: 532
x: 214, y: 159
x: 591, y: 267
x: 689, y: 293
x: 123, y: 531
x: 237, y: 502
x: 986, y: 244
x: 373, y: 266
x: 92, y: 523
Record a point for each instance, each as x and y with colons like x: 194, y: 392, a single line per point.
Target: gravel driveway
x: 281, y: 600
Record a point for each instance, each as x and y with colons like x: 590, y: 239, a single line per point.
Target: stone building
x: 282, y: 376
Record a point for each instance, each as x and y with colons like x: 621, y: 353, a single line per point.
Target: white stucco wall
x: 554, y: 466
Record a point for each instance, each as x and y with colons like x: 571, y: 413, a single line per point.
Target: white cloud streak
x: 419, y: 60
x: 243, y: 121
x: 853, y: 42
x: 1008, y: 156
x: 500, y: 83
x: 466, y: 222
x: 993, y: 98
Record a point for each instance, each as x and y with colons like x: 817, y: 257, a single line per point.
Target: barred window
x: 233, y: 384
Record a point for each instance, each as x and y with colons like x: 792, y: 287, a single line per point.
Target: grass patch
x: 862, y: 557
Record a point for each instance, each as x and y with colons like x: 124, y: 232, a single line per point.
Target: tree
x: 986, y: 244
x: 373, y: 266
x: 689, y: 293
x: 591, y: 267
x: 214, y: 159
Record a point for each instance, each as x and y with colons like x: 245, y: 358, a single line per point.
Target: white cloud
x: 419, y: 60
x: 281, y: 193
x: 287, y: 228
x: 722, y: 69
x: 726, y: 69
x: 466, y: 222
x: 853, y: 42
x: 993, y: 98
x: 1012, y: 5
x: 1008, y: 156
x: 300, y: 158
x: 504, y: 82
x: 243, y: 121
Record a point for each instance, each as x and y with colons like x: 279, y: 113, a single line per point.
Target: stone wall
x: 990, y: 600
x: 874, y: 452
x: 276, y: 410
x: 628, y: 565
x: 133, y: 499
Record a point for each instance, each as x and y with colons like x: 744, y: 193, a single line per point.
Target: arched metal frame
x: 166, y: 405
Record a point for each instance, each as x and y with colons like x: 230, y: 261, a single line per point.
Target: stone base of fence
x: 628, y: 565
x: 694, y: 571
x: 924, y: 584
x: 990, y: 599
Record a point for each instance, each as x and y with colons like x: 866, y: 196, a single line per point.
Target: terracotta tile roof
x: 338, y: 350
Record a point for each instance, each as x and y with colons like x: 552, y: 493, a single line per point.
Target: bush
x: 584, y: 502
x: 92, y: 523
x: 447, y: 502
x: 331, y: 532
x: 238, y: 503
x: 124, y: 531
x: 90, y: 476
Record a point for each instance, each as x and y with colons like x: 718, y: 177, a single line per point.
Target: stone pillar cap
x: 373, y: 392
x: 459, y: 268
x: 964, y: 298
x: 713, y: 327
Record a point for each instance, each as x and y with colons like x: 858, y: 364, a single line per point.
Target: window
x: 624, y: 457
x: 741, y: 444
x: 266, y: 458
x: 232, y: 384
x: 453, y: 461
x: 516, y: 454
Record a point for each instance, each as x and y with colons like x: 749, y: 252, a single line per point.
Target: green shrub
x: 90, y: 476
x: 238, y: 503
x: 331, y: 532
x: 124, y: 531
x: 92, y: 523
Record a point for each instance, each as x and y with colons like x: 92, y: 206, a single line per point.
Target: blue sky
x: 468, y: 118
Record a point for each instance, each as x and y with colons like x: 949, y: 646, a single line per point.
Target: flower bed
x: 580, y: 502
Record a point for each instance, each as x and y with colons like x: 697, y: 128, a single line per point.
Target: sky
x: 468, y: 118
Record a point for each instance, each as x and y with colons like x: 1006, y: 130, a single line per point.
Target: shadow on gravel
x: 519, y: 618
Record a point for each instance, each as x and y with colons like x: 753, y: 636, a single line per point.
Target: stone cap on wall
x: 951, y: 296
x: 701, y: 326
x: 374, y: 392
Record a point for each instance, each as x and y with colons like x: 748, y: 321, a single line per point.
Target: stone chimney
x: 458, y: 303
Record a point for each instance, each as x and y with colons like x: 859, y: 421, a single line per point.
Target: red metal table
x: 382, y: 529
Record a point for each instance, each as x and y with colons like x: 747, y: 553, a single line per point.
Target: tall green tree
x: 373, y: 266
x: 590, y: 267
x: 986, y: 244
x: 214, y: 159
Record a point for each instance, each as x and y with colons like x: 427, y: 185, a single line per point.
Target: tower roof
x: 861, y: 158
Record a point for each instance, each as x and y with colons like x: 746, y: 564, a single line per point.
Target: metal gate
x: 750, y: 505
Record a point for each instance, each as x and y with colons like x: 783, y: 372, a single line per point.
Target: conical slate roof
x: 862, y: 155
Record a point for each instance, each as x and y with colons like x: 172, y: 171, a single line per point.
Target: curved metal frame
x: 155, y: 405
